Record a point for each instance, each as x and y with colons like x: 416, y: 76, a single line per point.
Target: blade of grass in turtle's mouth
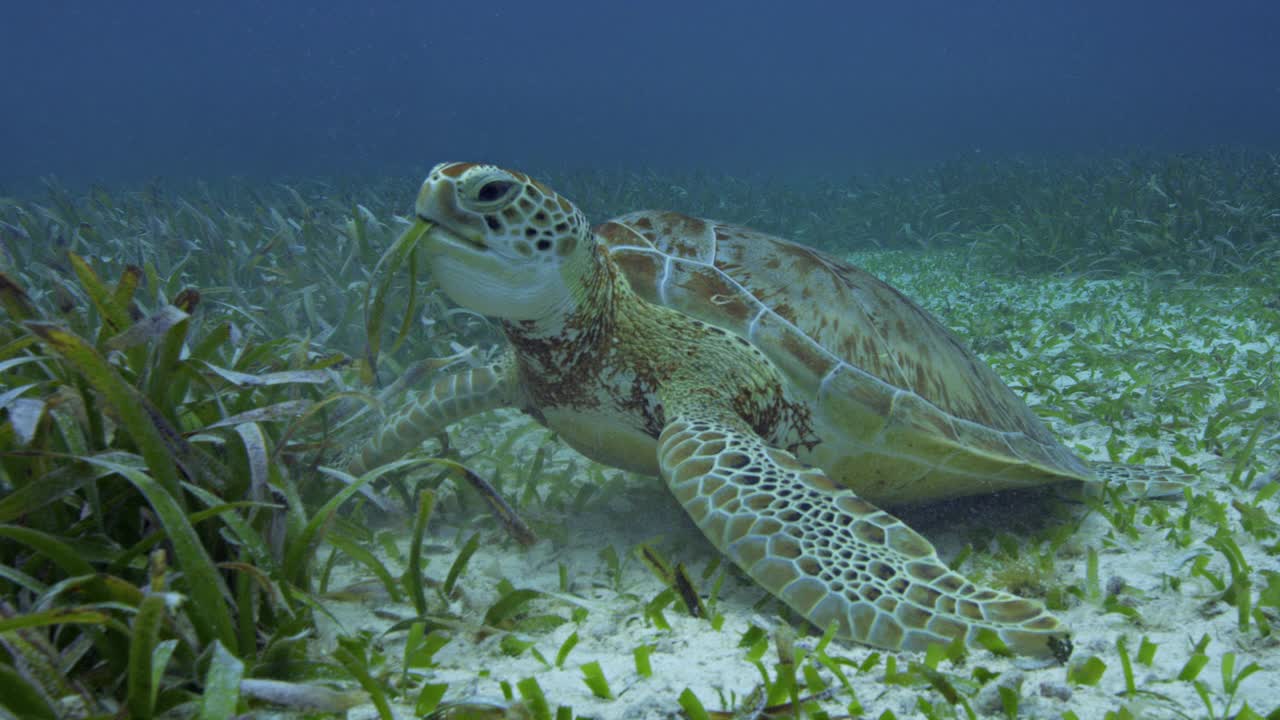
x: 461, y: 238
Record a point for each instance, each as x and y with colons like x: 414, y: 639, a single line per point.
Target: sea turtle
x: 783, y: 395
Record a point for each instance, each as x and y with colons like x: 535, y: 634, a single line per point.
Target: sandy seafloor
x: 1195, y: 321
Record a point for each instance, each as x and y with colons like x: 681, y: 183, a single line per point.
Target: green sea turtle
x: 783, y: 395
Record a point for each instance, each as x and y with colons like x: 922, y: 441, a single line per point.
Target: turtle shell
x: 901, y: 403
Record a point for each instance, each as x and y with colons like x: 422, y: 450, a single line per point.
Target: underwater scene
x: 667, y: 360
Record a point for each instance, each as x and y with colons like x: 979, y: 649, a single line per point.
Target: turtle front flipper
x: 448, y: 400
x: 827, y: 553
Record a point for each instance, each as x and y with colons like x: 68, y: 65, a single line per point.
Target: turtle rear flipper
x: 1139, y: 481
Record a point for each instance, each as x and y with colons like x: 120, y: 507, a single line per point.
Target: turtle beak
x: 459, y: 236
x: 437, y: 207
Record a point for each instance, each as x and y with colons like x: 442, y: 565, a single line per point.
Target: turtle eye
x: 494, y: 191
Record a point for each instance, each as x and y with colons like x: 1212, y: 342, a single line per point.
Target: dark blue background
x: 121, y: 91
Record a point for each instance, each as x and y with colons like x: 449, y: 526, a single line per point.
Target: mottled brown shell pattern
x: 891, y: 380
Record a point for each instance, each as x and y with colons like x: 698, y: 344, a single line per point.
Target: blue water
x: 118, y: 92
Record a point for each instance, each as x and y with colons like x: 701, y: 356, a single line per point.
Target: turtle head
x: 500, y: 242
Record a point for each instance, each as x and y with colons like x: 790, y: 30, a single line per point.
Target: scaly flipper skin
x: 447, y: 401
x: 831, y: 556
